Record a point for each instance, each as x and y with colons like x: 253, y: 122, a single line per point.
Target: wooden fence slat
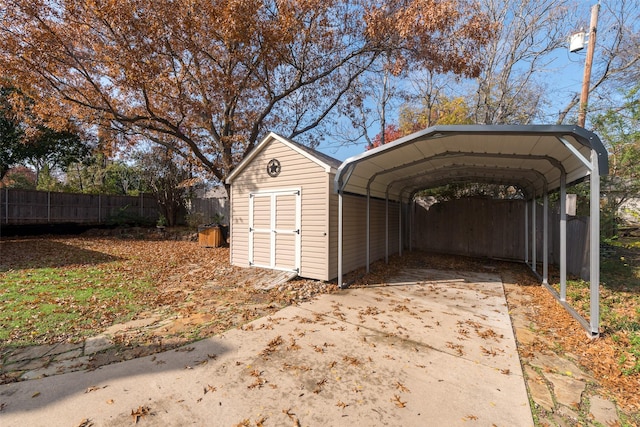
x: 24, y: 207
x: 495, y: 228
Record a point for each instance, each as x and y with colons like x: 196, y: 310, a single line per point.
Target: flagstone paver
x: 568, y: 391
x: 603, y: 411
x: 561, y: 365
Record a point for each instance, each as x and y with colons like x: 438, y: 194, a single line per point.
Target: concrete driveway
x: 430, y: 348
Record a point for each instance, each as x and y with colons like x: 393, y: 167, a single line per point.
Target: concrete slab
x: 97, y: 344
x: 430, y: 349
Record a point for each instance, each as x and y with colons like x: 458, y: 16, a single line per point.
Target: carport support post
x: 410, y: 209
x: 534, y: 249
x: 526, y: 232
x: 594, y: 250
x: 563, y: 236
x: 400, y: 226
x: 545, y: 238
x: 340, y: 239
x: 386, y: 228
x: 368, y: 227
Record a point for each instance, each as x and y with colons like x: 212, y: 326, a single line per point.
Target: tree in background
x: 208, y: 79
x: 47, y: 149
x: 19, y: 177
x: 168, y: 176
x: 11, y: 147
x: 510, y: 87
x: 391, y: 133
x: 438, y: 111
x: 619, y: 129
x: 25, y: 140
x: 100, y: 173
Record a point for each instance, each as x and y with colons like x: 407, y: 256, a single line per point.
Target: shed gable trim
x: 272, y: 136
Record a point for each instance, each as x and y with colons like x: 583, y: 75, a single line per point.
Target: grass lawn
x: 57, y: 289
x: 619, y: 300
x: 65, y: 303
x: 62, y: 289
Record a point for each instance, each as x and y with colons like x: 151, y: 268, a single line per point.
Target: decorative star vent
x: 273, y: 167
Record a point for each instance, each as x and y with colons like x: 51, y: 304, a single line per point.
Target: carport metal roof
x: 537, y: 155
x: 536, y: 158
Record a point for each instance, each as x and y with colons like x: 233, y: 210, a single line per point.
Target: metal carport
x: 537, y: 158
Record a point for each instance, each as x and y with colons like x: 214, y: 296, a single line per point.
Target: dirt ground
x: 200, y: 294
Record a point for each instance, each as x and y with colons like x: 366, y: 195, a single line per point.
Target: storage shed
x: 295, y: 209
x: 284, y: 213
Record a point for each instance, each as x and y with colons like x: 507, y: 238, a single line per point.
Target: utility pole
x: 584, y: 95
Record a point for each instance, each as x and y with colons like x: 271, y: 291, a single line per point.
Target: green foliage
x: 194, y: 219
x: 24, y: 140
x: 20, y: 177
x: 619, y: 129
x: 10, y: 134
x: 125, y: 217
x: 460, y: 190
x: 98, y: 174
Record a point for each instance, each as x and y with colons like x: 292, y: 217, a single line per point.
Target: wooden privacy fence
x: 22, y: 207
x: 208, y: 208
x: 496, y: 229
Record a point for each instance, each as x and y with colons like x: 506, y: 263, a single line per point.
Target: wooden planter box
x: 210, y: 237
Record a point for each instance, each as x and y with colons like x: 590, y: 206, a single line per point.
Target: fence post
x: 99, y: 208
x: 48, y: 206
x: 6, y: 205
x: 141, y: 205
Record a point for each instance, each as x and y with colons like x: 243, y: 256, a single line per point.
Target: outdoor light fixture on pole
x: 577, y: 43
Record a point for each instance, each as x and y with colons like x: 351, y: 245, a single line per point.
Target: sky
x: 564, y: 80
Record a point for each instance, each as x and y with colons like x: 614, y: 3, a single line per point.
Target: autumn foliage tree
x: 207, y: 79
x: 391, y: 133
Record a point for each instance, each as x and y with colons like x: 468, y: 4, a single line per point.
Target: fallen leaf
x: 36, y: 394
x: 399, y: 403
x: 141, y: 412
x: 85, y: 423
x: 401, y: 387
x: 292, y: 417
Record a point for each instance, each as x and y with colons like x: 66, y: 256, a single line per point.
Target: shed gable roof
x: 329, y: 164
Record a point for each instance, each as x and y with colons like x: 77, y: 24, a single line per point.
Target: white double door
x: 274, y: 229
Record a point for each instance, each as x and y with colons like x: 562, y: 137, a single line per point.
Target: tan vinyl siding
x: 355, y: 228
x: 297, y: 171
x: 239, y: 233
x: 333, y: 232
